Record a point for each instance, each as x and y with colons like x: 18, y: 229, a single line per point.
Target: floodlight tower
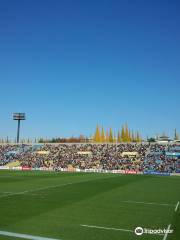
x: 18, y: 117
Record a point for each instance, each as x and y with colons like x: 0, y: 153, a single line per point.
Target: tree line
x: 124, y: 135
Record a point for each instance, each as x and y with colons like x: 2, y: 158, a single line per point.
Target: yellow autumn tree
x: 103, y: 139
x: 107, y: 136
x: 111, y: 136
x: 123, y: 134
x: 127, y: 133
x: 97, y: 135
x: 132, y: 137
x: 119, y: 137
x: 129, y: 136
x: 114, y: 138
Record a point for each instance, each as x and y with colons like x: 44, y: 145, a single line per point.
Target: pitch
x: 87, y: 206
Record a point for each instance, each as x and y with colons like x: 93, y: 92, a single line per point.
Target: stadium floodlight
x: 18, y: 117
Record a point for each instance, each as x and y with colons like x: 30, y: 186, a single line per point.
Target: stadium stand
x: 133, y: 157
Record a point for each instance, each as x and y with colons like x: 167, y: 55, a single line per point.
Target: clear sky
x: 71, y: 64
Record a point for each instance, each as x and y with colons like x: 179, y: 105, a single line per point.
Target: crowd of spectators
x: 161, y: 158
x: 131, y: 156
x: 5, y: 153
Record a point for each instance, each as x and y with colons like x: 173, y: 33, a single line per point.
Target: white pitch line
x: 25, y: 236
x: 43, y: 188
x: 116, y: 229
x: 166, y: 234
x: 176, y: 208
x: 34, y: 190
x: 107, y: 228
x: 149, y: 203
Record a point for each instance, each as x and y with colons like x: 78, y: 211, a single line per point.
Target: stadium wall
x: 26, y: 168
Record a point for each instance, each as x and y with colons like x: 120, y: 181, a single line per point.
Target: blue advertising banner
x: 151, y: 172
x: 173, y: 154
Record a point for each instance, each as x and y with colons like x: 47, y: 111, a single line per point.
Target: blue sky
x: 72, y: 64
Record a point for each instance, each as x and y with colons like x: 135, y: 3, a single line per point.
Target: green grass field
x: 87, y: 206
